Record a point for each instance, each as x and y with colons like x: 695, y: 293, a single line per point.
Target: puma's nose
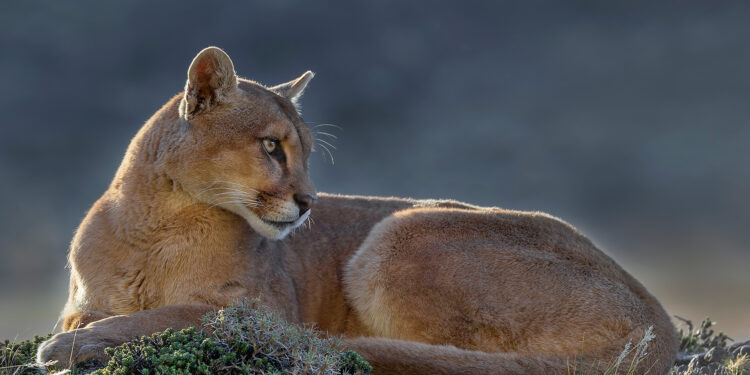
x: 304, y: 201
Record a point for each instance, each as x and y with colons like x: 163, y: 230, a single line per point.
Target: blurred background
x: 628, y: 119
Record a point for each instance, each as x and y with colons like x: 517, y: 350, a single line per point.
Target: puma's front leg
x: 80, y: 319
x: 68, y: 348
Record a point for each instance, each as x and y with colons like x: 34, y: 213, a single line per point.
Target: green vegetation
x: 244, y: 339
x: 702, y: 351
x: 19, y: 357
x: 240, y: 339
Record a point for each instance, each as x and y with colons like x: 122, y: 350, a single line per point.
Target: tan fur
x: 436, y: 287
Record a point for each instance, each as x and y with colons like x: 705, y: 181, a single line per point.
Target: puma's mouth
x: 280, y: 224
x: 283, y: 227
x: 286, y: 223
x: 273, y: 229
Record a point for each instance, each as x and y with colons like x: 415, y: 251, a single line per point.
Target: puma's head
x: 243, y: 146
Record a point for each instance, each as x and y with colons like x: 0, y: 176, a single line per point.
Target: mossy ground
x: 243, y: 339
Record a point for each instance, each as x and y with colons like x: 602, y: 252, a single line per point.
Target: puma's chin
x: 274, y: 230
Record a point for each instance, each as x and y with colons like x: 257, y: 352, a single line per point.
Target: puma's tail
x: 392, y: 357
x: 396, y: 357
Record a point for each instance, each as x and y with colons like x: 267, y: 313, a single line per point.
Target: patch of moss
x: 240, y: 339
x: 353, y: 363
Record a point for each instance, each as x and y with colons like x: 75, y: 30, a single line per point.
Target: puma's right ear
x: 210, y: 77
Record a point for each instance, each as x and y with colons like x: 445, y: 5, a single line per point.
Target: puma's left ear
x: 293, y: 89
x: 210, y: 77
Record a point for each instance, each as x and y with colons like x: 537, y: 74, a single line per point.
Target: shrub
x: 240, y: 339
x: 19, y: 357
x: 703, y: 352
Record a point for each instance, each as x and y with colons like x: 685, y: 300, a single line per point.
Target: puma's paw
x: 65, y: 349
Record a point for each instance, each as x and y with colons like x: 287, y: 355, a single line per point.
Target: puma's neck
x: 149, y: 202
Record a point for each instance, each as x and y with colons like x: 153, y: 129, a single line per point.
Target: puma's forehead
x: 276, y: 106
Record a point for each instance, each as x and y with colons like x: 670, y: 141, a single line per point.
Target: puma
x: 203, y: 211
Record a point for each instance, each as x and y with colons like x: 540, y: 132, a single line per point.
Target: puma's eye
x: 273, y: 149
x: 270, y: 145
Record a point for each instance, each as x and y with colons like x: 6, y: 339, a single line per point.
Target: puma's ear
x: 210, y: 77
x: 293, y: 89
